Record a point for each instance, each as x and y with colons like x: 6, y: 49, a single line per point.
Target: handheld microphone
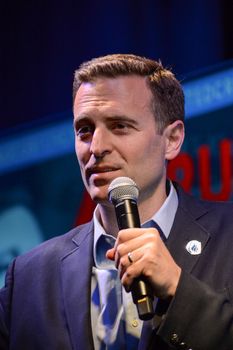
x: 123, y: 194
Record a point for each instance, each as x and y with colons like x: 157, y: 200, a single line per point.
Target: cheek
x: 150, y: 154
x: 144, y: 149
x: 78, y: 153
x: 81, y: 153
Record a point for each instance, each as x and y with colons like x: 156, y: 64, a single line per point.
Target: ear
x: 174, y: 135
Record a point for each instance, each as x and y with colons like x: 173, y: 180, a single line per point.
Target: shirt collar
x: 164, y: 217
x: 99, y: 254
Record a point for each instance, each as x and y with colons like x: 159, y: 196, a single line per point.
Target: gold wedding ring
x: 130, y: 257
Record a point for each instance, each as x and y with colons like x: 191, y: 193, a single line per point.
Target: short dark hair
x: 168, y: 97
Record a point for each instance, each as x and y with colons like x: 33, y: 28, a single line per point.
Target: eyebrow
x: 115, y: 118
x: 122, y: 118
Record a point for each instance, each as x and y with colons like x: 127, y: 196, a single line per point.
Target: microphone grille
x: 122, y: 188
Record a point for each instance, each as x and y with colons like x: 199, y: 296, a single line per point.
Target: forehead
x: 128, y: 91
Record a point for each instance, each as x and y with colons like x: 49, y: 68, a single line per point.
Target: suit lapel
x: 186, y: 228
x: 76, y: 268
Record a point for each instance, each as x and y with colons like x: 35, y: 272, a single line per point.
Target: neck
x: 149, y: 204
x: 108, y: 219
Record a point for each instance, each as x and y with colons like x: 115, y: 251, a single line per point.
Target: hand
x: 151, y: 259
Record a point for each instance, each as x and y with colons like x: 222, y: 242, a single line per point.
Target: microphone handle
x: 142, y: 293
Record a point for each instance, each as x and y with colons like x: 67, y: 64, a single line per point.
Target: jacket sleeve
x: 5, y: 305
x: 4, y: 336
x: 198, y: 318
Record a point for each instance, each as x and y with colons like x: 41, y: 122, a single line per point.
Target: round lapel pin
x: 193, y: 247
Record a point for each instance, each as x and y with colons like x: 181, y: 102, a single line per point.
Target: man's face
x: 116, y: 135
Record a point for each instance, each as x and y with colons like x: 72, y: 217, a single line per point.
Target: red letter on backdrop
x: 86, y: 209
x: 184, y: 163
x: 225, y: 171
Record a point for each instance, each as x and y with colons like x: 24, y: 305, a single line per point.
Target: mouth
x: 98, y: 170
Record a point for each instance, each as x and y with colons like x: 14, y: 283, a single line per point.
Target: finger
x: 135, y: 236
x: 129, y: 259
x: 129, y: 233
x: 132, y: 272
x: 125, y: 262
x: 110, y: 254
x: 150, y: 236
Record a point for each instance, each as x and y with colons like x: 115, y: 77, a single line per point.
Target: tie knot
x: 152, y: 223
x: 104, y: 243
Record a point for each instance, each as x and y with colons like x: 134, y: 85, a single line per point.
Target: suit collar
x: 76, y: 267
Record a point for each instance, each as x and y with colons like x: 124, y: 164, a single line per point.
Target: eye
x: 120, y: 127
x: 84, y: 131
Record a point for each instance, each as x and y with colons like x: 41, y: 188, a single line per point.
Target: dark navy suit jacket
x: 46, y: 301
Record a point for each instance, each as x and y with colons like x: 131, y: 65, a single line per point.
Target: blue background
x: 42, y: 43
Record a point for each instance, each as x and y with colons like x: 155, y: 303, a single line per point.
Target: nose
x: 100, y: 143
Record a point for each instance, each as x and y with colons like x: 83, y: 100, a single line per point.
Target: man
x: 67, y: 293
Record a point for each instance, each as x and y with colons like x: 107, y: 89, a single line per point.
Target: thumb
x: 110, y: 254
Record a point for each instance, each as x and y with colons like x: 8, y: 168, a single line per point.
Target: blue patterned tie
x: 103, y: 244
x: 109, y: 327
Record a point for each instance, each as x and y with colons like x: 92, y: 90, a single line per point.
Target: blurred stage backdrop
x: 41, y: 189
